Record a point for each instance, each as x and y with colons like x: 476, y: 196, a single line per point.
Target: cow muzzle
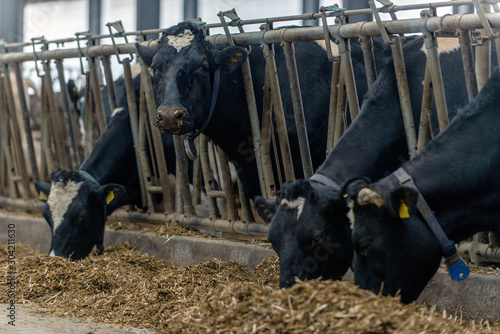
x: 172, y: 119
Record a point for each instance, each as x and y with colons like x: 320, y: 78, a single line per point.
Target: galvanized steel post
x: 298, y: 108
x: 26, y: 121
x: 334, y: 93
x: 134, y: 122
x: 71, y: 141
x: 468, y: 62
x: 279, y: 112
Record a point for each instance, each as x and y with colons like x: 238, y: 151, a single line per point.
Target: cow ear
x: 351, y: 188
x: 146, y: 53
x: 266, y: 208
x: 43, y: 190
x: 403, y: 202
x: 230, y: 58
x: 112, y: 195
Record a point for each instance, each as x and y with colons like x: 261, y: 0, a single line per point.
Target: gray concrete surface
x: 473, y: 298
x: 29, y: 321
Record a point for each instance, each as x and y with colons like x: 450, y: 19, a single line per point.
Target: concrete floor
x: 28, y: 321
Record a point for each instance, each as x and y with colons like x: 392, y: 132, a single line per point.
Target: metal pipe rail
x: 299, y: 17
x: 350, y: 30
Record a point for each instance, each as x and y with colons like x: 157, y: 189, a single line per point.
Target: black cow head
x: 183, y: 68
x: 75, y: 209
x: 309, y: 231
x: 394, y: 250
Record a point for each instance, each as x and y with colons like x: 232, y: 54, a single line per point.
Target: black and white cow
x: 78, y: 203
x: 457, y: 175
x: 184, y: 66
x: 309, y: 229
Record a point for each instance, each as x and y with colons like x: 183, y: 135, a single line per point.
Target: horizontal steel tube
x: 451, y: 22
x: 480, y: 252
x: 221, y: 225
x: 22, y: 204
x: 305, y: 16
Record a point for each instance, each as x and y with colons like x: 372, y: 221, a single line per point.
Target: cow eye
x: 312, y: 243
x: 364, y: 248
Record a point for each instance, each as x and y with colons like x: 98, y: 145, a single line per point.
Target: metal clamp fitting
x: 119, y: 31
x: 33, y: 42
x: 323, y: 10
x: 86, y: 35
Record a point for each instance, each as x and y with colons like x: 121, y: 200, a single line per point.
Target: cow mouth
x: 172, y: 120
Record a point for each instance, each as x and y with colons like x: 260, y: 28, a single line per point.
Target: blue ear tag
x: 457, y: 268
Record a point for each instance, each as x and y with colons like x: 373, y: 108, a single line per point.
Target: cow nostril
x: 179, y: 114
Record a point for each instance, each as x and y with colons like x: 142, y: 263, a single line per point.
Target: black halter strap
x: 457, y: 268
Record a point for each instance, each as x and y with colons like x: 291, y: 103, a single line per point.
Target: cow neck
x: 457, y: 268
x: 374, y: 144
x: 215, y: 92
x: 457, y: 172
x: 112, y: 159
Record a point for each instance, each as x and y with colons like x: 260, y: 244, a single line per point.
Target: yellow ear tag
x: 110, y: 197
x: 403, y: 210
x: 345, y: 195
x: 42, y: 196
x: 75, y: 90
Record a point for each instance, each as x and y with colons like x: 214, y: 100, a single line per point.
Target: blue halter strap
x: 457, y: 268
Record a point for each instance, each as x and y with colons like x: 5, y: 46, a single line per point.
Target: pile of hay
x: 125, y: 287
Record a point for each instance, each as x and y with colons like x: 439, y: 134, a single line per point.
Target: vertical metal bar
x: 197, y: 178
x: 340, y: 109
x: 404, y: 95
x: 26, y: 121
x: 252, y: 108
x: 228, y: 186
x: 90, y: 125
x: 350, y: 82
x: 182, y: 173
x: 369, y: 60
x: 246, y: 212
x: 57, y: 128
x: 468, y: 62
x: 298, y: 108
x: 47, y: 163
x: 16, y: 136
x: 334, y: 90
x: 158, y: 144
x: 213, y: 210
x: 483, y: 55
x: 110, y: 84
x: 437, y: 81
x: 96, y: 92
x: 134, y: 122
x: 267, y: 166
x: 67, y: 115
x: 143, y: 149
x: 279, y: 113
x: 424, y: 131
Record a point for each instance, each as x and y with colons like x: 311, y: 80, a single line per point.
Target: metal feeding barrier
x: 62, y: 144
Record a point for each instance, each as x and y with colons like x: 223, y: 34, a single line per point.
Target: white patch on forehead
x: 296, y: 203
x: 445, y: 45
x: 116, y: 111
x: 60, y: 198
x: 350, y: 213
x: 181, y: 40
